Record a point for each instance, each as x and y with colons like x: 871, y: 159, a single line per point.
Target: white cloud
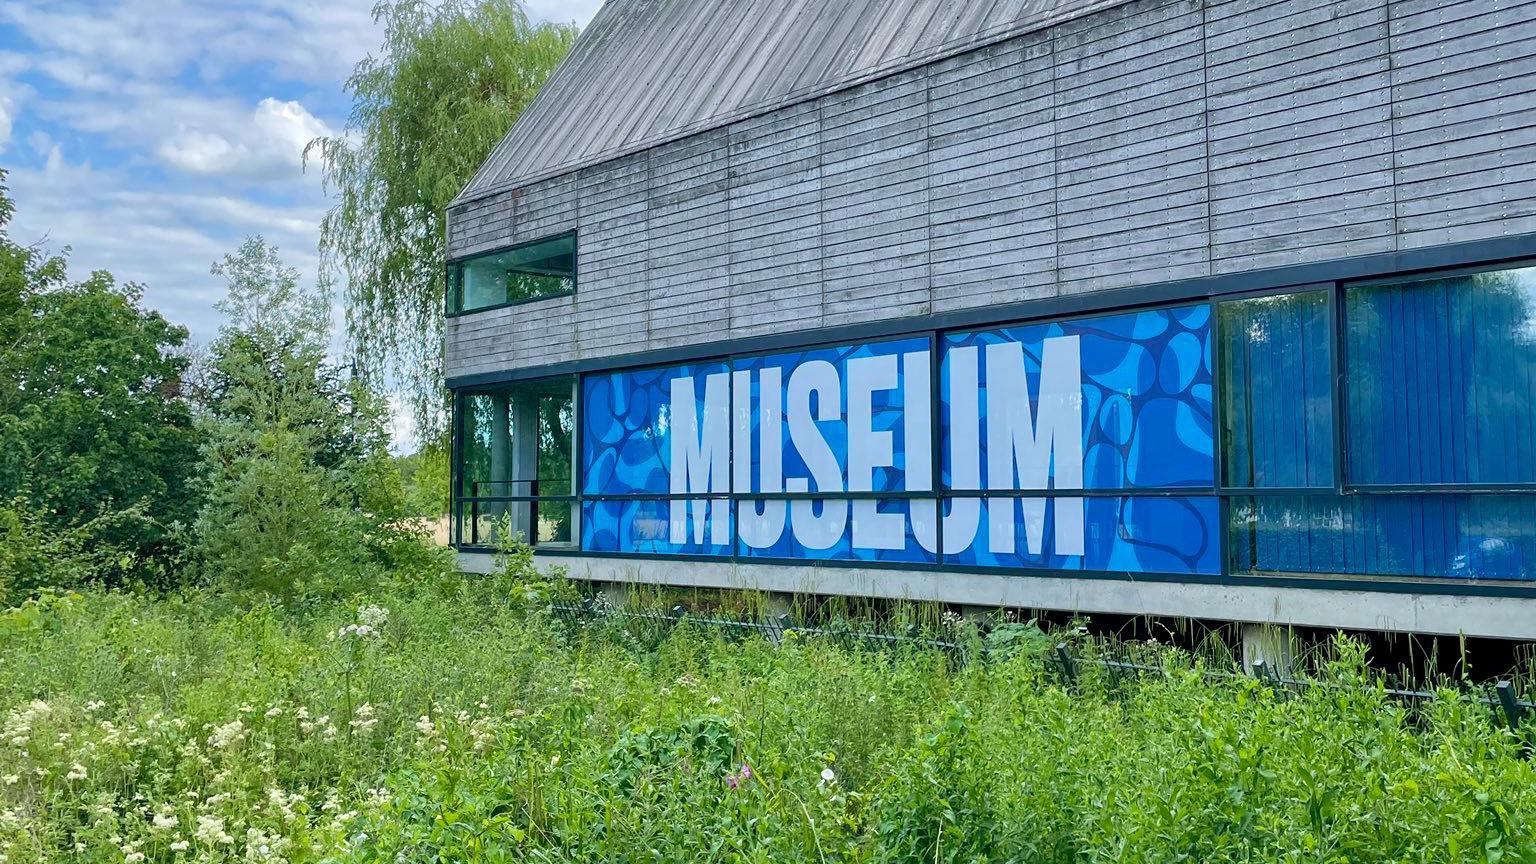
x: 563, y: 11
x: 163, y: 238
x: 272, y: 139
x: 195, y: 114
x: 12, y: 94
x: 302, y: 39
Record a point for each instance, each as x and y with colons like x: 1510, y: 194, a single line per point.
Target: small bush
x: 439, y: 717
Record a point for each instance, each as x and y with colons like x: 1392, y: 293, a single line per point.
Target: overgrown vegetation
x: 446, y: 718
x: 127, y: 459
x: 96, y: 447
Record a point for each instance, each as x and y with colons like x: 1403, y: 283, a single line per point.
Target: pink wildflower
x: 736, y: 778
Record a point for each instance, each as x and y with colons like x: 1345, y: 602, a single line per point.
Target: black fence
x: 1119, y: 667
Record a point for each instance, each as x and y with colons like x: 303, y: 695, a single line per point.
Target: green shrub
x: 439, y: 717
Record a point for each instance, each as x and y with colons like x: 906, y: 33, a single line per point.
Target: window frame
x: 453, y: 295
x: 1339, y: 322
x: 1334, y: 277
x: 457, y: 482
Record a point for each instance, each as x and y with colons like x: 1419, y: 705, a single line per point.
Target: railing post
x: 1068, y: 668
x: 1513, y: 713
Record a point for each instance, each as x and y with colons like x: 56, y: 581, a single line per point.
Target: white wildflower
x: 210, y: 830
x: 229, y: 734
x: 373, y: 616
x: 76, y: 772
x: 180, y: 846
x: 357, y: 631
x: 164, y: 821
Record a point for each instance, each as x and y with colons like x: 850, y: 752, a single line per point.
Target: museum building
x: 1223, y: 310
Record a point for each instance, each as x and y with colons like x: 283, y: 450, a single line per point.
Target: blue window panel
x: 1146, y: 391
x: 645, y: 526
x: 1432, y: 535
x: 626, y: 427
x: 1277, y: 404
x: 887, y: 414
x: 1441, y: 380
x: 1133, y: 534
x: 857, y: 520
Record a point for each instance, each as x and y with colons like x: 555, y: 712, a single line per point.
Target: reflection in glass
x: 1277, y: 404
x: 886, y: 529
x: 1460, y: 536
x: 1130, y: 534
x: 1441, y: 380
x: 526, y: 272
x: 664, y: 527
x: 517, y: 442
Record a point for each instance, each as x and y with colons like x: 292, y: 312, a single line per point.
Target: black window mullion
x: 1218, y: 439
x: 1337, y: 359
x: 936, y: 444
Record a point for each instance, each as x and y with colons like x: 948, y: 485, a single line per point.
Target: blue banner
x: 829, y: 453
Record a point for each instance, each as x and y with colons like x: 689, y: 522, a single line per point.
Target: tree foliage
x: 95, y: 439
x: 451, y: 78
x: 300, y: 492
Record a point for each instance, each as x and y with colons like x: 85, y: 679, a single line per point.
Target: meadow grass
x: 444, y: 718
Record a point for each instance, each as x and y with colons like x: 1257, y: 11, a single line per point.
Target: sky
x: 151, y: 136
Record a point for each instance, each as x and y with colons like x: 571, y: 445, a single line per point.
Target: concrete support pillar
x: 977, y: 614
x: 1274, y: 645
x: 524, y: 420
x: 614, y: 594
x: 776, y: 603
x: 501, y: 467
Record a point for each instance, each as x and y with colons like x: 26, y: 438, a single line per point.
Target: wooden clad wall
x: 1154, y: 141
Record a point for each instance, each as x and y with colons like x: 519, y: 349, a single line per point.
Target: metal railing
x: 1500, y: 698
x: 772, y: 628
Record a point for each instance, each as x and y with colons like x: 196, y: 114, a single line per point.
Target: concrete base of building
x: 1380, y: 611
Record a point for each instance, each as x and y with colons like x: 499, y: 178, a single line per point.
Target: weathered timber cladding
x: 1144, y: 143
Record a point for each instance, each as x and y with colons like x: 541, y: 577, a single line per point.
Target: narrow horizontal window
x: 544, y: 268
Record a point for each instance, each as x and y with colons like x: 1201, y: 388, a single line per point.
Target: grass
x: 456, y: 721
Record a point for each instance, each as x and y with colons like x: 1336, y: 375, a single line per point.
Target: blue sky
x: 151, y: 136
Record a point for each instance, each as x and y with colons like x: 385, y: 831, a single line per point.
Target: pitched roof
x: 649, y: 71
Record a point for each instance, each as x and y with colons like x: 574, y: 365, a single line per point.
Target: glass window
x: 1277, y: 403
x: 1441, y: 380
x: 541, y: 269
x: 515, y: 463
x: 1441, y: 535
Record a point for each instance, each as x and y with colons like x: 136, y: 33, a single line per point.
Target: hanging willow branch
x: 449, y: 81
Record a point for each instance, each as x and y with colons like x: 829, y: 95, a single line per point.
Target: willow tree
x: 449, y: 81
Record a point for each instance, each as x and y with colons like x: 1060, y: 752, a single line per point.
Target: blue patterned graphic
x: 642, y: 525
x: 1146, y: 395
x: 1131, y: 534
x: 626, y: 428
x: 887, y: 413
x: 919, y: 518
